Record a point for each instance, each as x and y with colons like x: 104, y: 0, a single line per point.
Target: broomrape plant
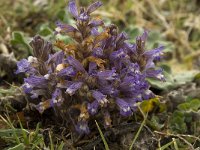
x: 99, y: 74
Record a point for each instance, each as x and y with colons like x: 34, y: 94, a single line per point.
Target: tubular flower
x: 99, y: 70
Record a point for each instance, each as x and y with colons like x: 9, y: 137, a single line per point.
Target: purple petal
x: 41, y: 48
x: 149, y: 64
x: 36, y: 81
x: 140, y: 42
x: 95, y: 23
x: 27, y: 88
x: 131, y: 48
x: 155, y: 54
x: 57, y: 97
x: 93, y: 107
x: 56, y: 58
x: 83, y: 16
x: 82, y: 127
x: 107, y: 74
x: 101, y: 98
x: 125, y: 109
x: 75, y: 63
x: 64, y: 28
x: 134, y: 68
x: 138, y: 98
x: 69, y: 71
x: 94, y: 31
x: 144, y: 35
x: 148, y: 94
x: 155, y: 74
x: 98, y: 52
x: 109, y: 90
x: 73, y: 8
x: 23, y: 66
x: 121, y: 38
x: 93, y: 7
x: 92, y: 67
x: 118, y: 54
x: 73, y: 88
x: 132, y: 85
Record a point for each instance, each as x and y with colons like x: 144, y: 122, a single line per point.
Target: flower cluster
x: 96, y: 74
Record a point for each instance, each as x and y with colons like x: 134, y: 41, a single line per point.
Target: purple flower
x: 107, y: 74
x: 93, y: 107
x: 100, y: 71
x: 138, y: 98
x: 109, y: 89
x: 134, y: 68
x: 125, y: 108
x: 57, y: 98
x: 157, y: 74
x: 118, y: 54
x: 75, y: 63
x: 27, y: 88
x: 69, y: 71
x: 94, y: 31
x: 73, y: 88
x: 149, y: 64
x: 92, y: 67
x: 98, y: 52
x: 41, y: 48
x: 155, y: 54
x: 148, y: 94
x: 133, y: 84
x: 83, y: 16
x: 23, y: 66
x: 121, y: 38
x: 56, y: 58
x: 64, y: 28
x: 93, y: 7
x: 36, y: 81
x: 82, y: 127
x: 144, y: 35
x: 95, y: 23
x: 73, y: 8
x: 101, y: 98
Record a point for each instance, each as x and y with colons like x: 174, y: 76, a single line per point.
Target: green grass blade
x: 8, y: 132
x: 35, y: 134
x: 141, y: 126
x: 175, y: 144
x: 20, y: 146
x: 166, y: 145
x: 9, y: 123
x: 51, y: 142
x: 137, y: 134
x: 25, y: 135
x: 37, y: 142
x: 102, y: 137
x: 60, y: 147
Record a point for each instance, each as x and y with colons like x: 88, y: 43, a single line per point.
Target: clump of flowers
x: 99, y: 73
